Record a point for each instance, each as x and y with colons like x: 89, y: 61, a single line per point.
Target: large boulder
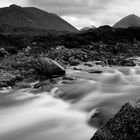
x: 47, y: 66
x: 125, y: 125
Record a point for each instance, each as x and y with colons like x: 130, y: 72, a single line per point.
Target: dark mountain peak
x: 17, y: 16
x: 14, y: 6
x: 128, y: 21
x: 131, y: 16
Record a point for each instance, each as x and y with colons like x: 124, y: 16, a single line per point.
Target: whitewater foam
x: 69, y: 111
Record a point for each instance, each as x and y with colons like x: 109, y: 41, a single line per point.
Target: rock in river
x: 47, y: 66
x: 128, y: 63
x: 125, y: 125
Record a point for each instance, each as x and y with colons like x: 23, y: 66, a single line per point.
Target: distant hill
x: 32, y: 17
x: 87, y: 28
x: 131, y: 20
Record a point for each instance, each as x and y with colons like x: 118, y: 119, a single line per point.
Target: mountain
x: 131, y: 20
x: 33, y: 17
x: 87, y: 28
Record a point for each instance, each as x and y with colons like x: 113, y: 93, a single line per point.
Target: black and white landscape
x: 66, y: 75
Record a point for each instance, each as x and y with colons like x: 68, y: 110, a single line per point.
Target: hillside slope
x: 131, y: 20
x: 32, y: 17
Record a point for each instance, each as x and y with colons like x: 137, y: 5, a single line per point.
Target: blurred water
x: 74, y: 114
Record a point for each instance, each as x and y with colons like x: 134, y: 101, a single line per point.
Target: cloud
x: 80, y: 22
x: 72, y: 7
x: 79, y: 13
x: 82, y: 13
x: 86, y: 12
x: 6, y: 3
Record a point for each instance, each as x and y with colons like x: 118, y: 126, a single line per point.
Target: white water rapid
x: 75, y: 114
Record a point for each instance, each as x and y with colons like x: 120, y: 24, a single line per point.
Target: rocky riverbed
x: 25, y: 66
x: 89, y: 94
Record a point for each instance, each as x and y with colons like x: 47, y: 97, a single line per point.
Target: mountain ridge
x: 33, y: 17
x: 128, y: 21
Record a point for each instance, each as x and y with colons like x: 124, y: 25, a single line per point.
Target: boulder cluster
x: 17, y: 68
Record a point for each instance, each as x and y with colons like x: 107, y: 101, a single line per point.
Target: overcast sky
x: 82, y: 13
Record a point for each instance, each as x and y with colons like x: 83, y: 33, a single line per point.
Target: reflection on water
x: 74, y: 114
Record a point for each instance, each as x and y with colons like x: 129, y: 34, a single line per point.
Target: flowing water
x: 74, y: 114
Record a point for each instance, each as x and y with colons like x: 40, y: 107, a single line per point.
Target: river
x: 73, y: 114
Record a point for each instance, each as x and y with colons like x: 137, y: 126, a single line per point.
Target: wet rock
x: 89, y: 64
x: 74, y: 62
x: 69, y: 78
x: 95, y: 71
x: 128, y: 63
x: 76, y: 68
x: 96, y: 118
x: 125, y: 125
x: 46, y: 85
x: 48, y: 67
x: 56, y: 92
x: 98, y: 63
x: 40, y: 84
